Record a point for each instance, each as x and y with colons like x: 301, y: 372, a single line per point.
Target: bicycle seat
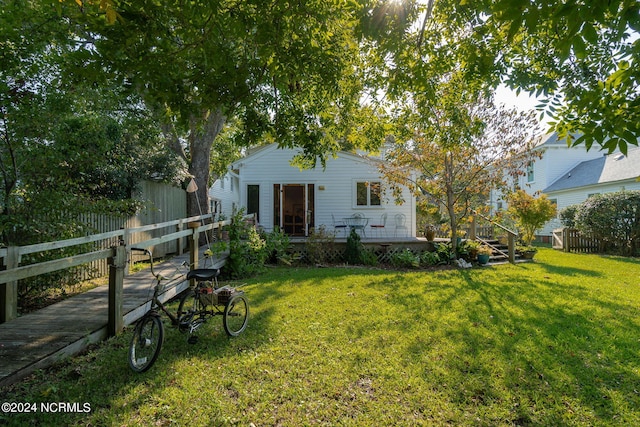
x: 202, y: 274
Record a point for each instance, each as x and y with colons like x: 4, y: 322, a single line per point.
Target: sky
x: 522, y: 102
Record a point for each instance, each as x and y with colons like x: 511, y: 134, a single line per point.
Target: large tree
x: 65, y: 143
x: 581, y: 57
x: 286, y: 71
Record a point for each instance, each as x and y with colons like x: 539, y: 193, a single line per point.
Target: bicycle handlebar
x: 147, y: 252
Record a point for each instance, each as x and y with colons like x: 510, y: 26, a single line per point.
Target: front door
x: 293, y: 206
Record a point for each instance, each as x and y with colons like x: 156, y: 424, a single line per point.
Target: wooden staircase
x: 500, y: 254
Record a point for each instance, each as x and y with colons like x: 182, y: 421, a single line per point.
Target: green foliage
x: 580, y: 58
x: 568, y: 216
x: 429, y: 258
x: 614, y: 218
x: 277, y: 246
x: 353, y: 253
x: 405, y: 259
x: 530, y: 213
x: 445, y: 253
x: 317, y: 244
x: 248, y: 251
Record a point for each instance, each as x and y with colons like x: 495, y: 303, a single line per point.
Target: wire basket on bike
x: 211, y: 296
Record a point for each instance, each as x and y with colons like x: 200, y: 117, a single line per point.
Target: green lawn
x: 555, y: 342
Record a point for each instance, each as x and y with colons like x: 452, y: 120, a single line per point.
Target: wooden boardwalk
x: 42, y: 338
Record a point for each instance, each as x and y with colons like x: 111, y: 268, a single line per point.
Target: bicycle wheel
x: 190, y: 306
x: 146, y: 342
x: 236, y: 316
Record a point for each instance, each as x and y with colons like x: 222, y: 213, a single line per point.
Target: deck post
x: 9, y: 291
x: 117, y: 265
x: 512, y: 247
x: 180, y: 241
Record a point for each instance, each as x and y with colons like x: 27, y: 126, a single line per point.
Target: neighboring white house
x: 264, y: 182
x: 569, y: 175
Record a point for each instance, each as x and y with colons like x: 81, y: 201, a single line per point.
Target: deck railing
x: 11, y: 271
x: 490, y: 230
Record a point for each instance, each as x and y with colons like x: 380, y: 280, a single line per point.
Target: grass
x: 555, y: 342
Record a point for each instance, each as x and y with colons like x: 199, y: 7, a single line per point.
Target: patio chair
x: 339, y: 226
x: 401, y: 224
x: 380, y: 226
x: 358, y: 222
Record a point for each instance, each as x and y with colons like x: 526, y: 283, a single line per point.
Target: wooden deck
x: 42, y: 338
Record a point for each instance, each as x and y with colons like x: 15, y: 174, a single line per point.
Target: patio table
x: 357, y: 223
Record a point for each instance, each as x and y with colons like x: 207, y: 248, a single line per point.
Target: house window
x: 530, y: 174
x: 368, y: 193
x: 253, y: 200
x: 554, y: 202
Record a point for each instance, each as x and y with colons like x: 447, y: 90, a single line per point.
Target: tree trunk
x: 451, y: 200
x: 201, y: 138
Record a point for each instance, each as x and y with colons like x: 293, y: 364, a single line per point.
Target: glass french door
x: 293, y: 206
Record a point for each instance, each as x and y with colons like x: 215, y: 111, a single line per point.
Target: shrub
x: 277, y: 246
x: 429, y: 258
x: 568, y: 216
x: 354, y: 249
x: 530, y: 213
x: 405, y: 259
x: 248, y: 252
x: 317, y: 245
x: 445, y: 253
x: 614, y: 218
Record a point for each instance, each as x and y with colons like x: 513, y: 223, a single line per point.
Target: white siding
x: 556, y: 160
x: 334, y: 186
x: 222, y: 191
x: 578, y: 195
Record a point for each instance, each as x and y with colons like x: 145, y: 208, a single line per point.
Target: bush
x: 277, y: 246
x: 429, y: 258
x: 405, y: 259
x: 614, y: 218
x: 353, y: 253
x: 445, y: 253
x: 317, y: 245
x: 568, y: 216
x: 248, y: 251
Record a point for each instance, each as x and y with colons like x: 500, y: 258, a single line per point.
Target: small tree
x: 459, y: 146
x: 530, y: 213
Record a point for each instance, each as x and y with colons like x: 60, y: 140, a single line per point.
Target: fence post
x: 116, y: 281
x: 9, y: 291
x: 565, y: 239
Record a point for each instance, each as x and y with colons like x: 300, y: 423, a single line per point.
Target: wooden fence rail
x: 10, y: 258
x: 572, y: 240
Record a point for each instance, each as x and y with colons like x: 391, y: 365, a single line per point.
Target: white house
x: 569, y: 175
x: 264, y: 182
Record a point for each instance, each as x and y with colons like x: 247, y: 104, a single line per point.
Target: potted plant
x: 484, y: 253
x: 430, y: 232
x: 527, y: 251
x: 473, y: 246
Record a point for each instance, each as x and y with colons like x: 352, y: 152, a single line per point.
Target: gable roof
x: 605, y: 169
x: 258, y: 152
